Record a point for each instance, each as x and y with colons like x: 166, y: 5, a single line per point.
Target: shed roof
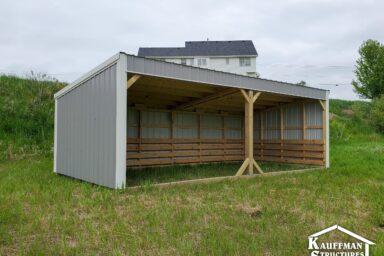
x: 168, y: 70
x: 202, y: 48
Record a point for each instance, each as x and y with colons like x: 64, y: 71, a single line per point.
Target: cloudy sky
x: 315, y: 40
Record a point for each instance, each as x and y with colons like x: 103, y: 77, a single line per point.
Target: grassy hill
x: 26, y: 123
x: 43, y: 213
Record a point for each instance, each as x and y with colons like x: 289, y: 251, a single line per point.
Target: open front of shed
x: 133, y: 112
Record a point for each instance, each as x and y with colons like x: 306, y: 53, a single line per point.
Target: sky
x: 314, y: 40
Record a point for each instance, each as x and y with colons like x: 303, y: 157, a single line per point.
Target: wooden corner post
x: 249, y: 161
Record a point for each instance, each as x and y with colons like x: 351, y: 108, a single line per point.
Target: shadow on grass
x: 153, y: 175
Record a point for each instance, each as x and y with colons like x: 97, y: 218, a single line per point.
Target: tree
x: 369, y: 71
x: 302, y: 83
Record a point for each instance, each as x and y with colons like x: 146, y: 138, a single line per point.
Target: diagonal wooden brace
x: 259, y: 170
x: 243, y: 167
x: 132, y: 80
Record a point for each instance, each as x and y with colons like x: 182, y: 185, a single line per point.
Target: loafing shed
x: 134, y: 112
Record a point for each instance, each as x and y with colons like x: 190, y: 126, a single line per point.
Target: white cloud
x: 315, y: 41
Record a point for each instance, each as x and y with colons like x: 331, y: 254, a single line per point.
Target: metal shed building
x: 136, y: 112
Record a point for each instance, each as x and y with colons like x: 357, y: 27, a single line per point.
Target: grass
x: 149, y: 176
x: 46, y: 214
x: 43, y: 213
x: 26, y: 116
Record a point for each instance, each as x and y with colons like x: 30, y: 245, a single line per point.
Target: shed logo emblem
x: 360, y: 247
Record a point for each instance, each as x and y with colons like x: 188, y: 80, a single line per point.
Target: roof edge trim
x: 93, y: 72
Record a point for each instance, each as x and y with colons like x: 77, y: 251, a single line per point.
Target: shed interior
x: 172, y: 122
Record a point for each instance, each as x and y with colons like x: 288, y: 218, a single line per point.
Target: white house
x: 229, y: 56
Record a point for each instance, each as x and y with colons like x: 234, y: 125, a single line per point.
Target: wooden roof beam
x: 211, y: 97
x: 132, y: 80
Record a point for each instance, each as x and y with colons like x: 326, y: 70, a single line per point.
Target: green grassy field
x: 46, y: 214
x: 43, y: 213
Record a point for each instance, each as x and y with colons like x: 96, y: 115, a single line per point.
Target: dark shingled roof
x: 202, y: 48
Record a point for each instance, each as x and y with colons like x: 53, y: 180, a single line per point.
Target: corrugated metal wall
x: 157, y: 137
x: 86, y: 130
x: 283, y: 140
x: 271, y: 124
x: 160, y: 137
x: 314, y: 117
x: 293, y: 122
x: 157, y: 124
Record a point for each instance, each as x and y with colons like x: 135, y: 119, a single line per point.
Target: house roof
x: 202, y: 48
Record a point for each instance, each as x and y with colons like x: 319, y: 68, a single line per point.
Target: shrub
x: 361, y: 110
x: 339, y: 131
x: 378, y: 113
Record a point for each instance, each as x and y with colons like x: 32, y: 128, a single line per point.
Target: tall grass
x: 26, y: 116
x: 353, y: 125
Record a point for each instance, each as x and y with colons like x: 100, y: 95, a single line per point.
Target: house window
x: 191, y: 62
x: 227, y: 61
x: 244, y: 62
x: 201, y: 62
x: 184, y: 61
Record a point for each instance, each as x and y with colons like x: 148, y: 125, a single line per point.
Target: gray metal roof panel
x: 158, y: 68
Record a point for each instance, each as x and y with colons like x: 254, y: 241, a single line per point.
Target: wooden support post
x: 304, y: 123
x: 261, y: 132
x: 132, y: 80
x: 324, y: 130
x: 249, y: 109
x: 281, y: 130
x: 224, y: 141
x: 304, y: 126
x: 248, y: 128
x: 172, y: 131
x: 199, y: 136
x: 139, y: 133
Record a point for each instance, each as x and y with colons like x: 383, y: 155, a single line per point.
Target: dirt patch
x: 254, y: 212
x: 332, y: 116
x: 347, y: 111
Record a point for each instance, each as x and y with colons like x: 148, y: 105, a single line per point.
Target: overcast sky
x: 315, y: 40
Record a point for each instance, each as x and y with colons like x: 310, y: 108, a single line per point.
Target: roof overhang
x: 163, y: 69
x: 168, y: 70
